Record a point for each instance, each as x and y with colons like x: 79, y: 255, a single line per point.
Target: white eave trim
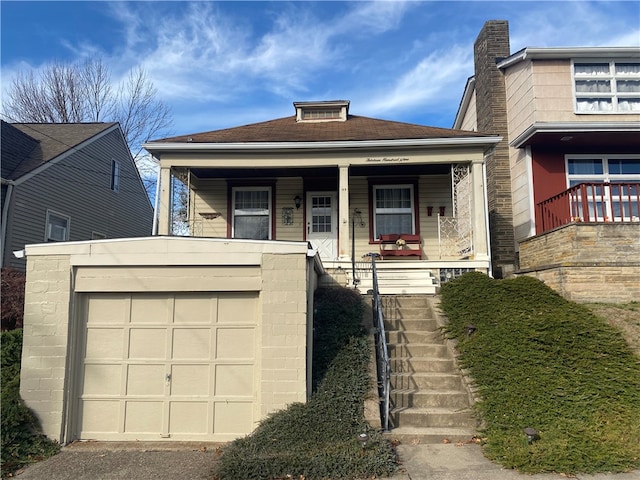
x: 568, y: 53
x: 436, y: 142
x: 467, y: 95
x: 573, y: 127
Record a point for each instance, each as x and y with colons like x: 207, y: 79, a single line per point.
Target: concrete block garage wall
x: 165, y: 337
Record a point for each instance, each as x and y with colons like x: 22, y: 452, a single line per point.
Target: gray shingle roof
x: 286, y: 129
x: 47, y: 141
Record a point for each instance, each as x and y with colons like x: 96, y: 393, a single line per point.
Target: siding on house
x: 433, y: 190
x: 79, y: 186
x: 470, y: 120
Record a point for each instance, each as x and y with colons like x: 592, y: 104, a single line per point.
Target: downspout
x: 156, y: 201
x: 486, y: 217
x: 5, y: 216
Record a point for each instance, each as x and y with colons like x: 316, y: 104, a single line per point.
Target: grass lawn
x: 540, y: 361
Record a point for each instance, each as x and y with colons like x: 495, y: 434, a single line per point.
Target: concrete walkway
x: 193, y: 461
x: 466, y: 462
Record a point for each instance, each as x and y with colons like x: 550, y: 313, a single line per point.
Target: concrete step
x: 433, y: 417
x: 430, y: 435
x: 430, y: 380
x: 422, y: 365
x: 411, y: 324
x: 413, y: 336
x: 429, y: 399
x: 431, y: 350
x: 409, y: 288
x: 406, y: 301
x: 407, y: 312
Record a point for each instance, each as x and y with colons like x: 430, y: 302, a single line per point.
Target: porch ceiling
x: 249, y: 171
x: 563, y: 139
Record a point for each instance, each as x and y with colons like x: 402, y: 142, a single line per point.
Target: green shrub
x: 319, y: 439
x: 22, y: 442
x: 543, y: 362
x: 337, y: 319
x: 12, y: 300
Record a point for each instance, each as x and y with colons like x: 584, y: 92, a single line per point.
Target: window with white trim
x: 115, y: 175
x: 252, y: 212
x: 609, y: 200
x: 607, y: 86
x: 57, y: 227
x: 393, y: 209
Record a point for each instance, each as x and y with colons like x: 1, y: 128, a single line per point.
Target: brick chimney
x: 491, y: 46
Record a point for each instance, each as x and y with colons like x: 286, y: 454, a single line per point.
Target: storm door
x: 322, y: 223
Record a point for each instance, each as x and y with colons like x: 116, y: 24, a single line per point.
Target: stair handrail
x: 382, y: 353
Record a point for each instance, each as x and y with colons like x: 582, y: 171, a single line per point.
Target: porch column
x: 344, y: 249
x: 480, y: 212
x: 164, y: 208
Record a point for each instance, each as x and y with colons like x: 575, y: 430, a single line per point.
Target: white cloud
x: 432, y: 81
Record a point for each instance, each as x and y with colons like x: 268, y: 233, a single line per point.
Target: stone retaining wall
x: 587, y: 262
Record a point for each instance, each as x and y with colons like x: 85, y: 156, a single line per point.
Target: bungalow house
x: 68, y: 182
x: 564, y: 182
x: 349, y: 185
x: 200, y: 338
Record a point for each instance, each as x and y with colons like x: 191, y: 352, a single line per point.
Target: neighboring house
x: 349, y: 185
x: 65, y: 182
x: 570, y: 123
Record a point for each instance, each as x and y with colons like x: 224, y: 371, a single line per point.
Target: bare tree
x: 64, y: 92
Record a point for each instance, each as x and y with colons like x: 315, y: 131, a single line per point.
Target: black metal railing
x: 382, y: 354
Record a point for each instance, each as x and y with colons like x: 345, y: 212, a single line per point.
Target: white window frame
x: 614, y: 96
x: 115, y: 175
x: 97, y: 236
x: 235, y: 214
x: 376, y: 210
x: 48, y: 230
x: 605, y: 212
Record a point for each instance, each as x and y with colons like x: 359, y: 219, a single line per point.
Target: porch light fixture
x: 429, y: 211
x: 532, y: 435
x: 209, y: 215
x: 298, y: 201
x: 363, y: 438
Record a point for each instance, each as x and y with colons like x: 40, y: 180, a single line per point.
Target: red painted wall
x: 549, y: 177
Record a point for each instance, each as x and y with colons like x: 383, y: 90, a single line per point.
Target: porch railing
x: 591, y: 202
x: 382, y: 354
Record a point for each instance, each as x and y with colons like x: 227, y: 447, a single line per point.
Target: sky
x: 231, y: 63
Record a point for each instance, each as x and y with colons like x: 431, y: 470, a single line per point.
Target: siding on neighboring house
x: 470, y: 120
x: 79, y: 186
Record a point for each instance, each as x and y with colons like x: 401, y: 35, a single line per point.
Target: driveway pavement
x: 193, y: 461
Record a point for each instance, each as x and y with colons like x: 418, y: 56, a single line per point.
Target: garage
x: 178, y: 366
x: 166, y: 338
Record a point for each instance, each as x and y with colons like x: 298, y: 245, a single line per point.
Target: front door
x: 322, y: 223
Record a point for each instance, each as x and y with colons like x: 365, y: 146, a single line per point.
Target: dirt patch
x: 625, y: 317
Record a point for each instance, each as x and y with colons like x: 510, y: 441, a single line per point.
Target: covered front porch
x: 424, y: 220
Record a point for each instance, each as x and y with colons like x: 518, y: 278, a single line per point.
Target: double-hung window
x: 393, y: 209
x: 607, y: 86
x: 612, y: 190
x: 252, y: 212
x: 57, y: 227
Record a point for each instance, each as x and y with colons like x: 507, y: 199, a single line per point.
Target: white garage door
x: 178, y: 366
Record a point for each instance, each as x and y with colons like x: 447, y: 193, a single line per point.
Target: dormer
x: 328, y: 111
